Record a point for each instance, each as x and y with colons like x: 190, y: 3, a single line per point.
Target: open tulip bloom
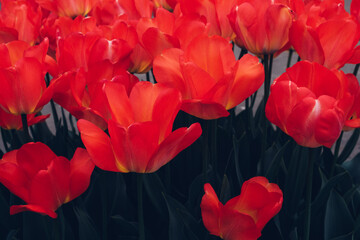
x: 242, y: 217
x: 43, y: 180
x: 141, y: 138
x: 153, y: 100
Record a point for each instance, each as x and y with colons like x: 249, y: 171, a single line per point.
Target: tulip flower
x: 70, y: 8
x: 141, y: 138
x: 261, y: 26
x: 19, y: 20
x: 81, y: 93
x: 325, y: 33
x: 22, y: 70
x: 311, y: 103
x: 10, y: 121
x: 215, y: 12
x: 242, y: 217
x: 43, y: 180
x: 208, y: 76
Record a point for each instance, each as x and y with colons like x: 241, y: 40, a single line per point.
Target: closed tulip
x: 22, y: 70
x: 242, y: 217
x: 43, y: 180
x: 262, y: 27
x: 311, y: 103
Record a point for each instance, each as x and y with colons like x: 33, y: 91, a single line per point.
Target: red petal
x: 81, y: 168
x: 204, y: 109
x: 98, y: 145
x: 172, y: 145
x: 211, y: 209
x: 33, y: 208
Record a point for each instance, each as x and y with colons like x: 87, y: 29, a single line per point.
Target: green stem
x: 25, y: 128
x: 336, y: 154
x: 289, y: 58
x: 267, y: 68
x: 205, y: 149
x: 53, y: 108
x: 356, y: 69
x: 308, y: 195
x: 140, y: 206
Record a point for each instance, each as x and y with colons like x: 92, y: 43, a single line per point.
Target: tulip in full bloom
x: 22, y: 70
x: 70, y: 8
x: 311, y: 103
x: 43, y: 180
x: 261, y: 26
x: 208, y: 76
x: 242, y: 217
x: 141, y: 137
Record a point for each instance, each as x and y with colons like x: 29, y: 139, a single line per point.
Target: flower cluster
x: 90, y: 57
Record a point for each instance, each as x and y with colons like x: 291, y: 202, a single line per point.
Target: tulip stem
x: 356, y: 69
x: 336, y: 154
x: 140, y: 206
x: 308, y: 195
x: 267, y: 69
x: 25, y: 128
x: 53, y: 108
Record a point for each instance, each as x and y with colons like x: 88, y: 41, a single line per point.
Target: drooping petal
x: 173, y: 144
x: 98, y: 145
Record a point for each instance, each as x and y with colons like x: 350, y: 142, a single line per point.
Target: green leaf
x: 274, y: 167
x: 182, y: 225
x: 87, y: 230
x: 338, y: 219
x: 324, y: 193
x: 154, y: 188
x: 349, y: 147
x: 353, y: 167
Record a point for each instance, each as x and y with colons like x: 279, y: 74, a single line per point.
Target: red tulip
x: 19, y: 20
x: 208, y: 76
x: 10, y: 121
x: 42, y: 179
x: 141, y: 138
x: 22, y: 70
x: 261, y: 26
x: 213, y: 12
x: 81, y: 93
x: 70, y: 8
x: 244, y: 216
x: 310, y: 103
x: 325, y: 33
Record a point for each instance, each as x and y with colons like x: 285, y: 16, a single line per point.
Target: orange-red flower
x: 19, y: 20
x: 214, y: 12
x: 22, y: 70
x: 325, y: 33
x: 243, y: 217
x: 262, y: 26
x: 70, y: 8
x: 81, y: 92
x: 141, y: 138
x: 10, y: 121
x: 43, y: 180
x: 311, y: 103
x: 208, y: 76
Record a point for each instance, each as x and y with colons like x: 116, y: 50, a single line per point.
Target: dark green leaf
x: 338, y: 219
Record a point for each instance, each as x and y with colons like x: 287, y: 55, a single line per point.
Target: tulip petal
x: 98, y: 145
x: 249, y: 77
x: 81, y: 167
x: 33, y: 208
x: 211, y: 209
x: 173, y: 144
x: 204, y: 109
